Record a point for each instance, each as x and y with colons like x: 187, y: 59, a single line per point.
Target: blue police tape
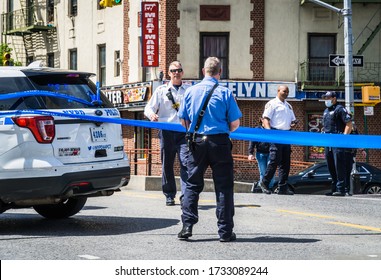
x: 242, y: 133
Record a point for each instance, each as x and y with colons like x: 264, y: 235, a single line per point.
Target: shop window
x: 315, y: 124
x: 215, y: 44
x: 142, y: 138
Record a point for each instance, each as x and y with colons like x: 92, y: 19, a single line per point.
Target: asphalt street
x: 136, y: 225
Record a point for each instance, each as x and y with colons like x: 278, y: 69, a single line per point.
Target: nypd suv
x: 51, y: 157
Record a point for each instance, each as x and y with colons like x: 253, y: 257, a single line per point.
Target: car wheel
x: 61, y: 210
x: 373, y: 189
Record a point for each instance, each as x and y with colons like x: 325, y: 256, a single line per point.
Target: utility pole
x: 346, y: 12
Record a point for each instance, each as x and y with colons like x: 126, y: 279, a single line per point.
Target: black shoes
x: 185, y: 233
x: 170, y: 201
x: 338, y: 194
x: 285, y: 192
x: 232, y: 237
x: 264, y: 188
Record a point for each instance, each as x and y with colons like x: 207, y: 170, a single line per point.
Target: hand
x: 250, y: 157
x: 154, y: 117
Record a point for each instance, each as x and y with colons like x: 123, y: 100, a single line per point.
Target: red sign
x: 150, y: 34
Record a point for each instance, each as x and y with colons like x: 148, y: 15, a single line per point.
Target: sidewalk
x: 153, y: 183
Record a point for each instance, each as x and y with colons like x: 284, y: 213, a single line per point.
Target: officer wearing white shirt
x: 278, y: 114
x: 163, y: 107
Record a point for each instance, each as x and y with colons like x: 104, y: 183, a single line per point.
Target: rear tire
x: 61, y: 210
x: 373, y: 189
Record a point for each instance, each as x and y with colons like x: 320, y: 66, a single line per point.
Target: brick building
x: 259, y: 42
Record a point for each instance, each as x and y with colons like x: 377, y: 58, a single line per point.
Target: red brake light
x: 42, y: 127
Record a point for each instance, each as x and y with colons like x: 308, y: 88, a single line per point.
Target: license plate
x: 98, y: 134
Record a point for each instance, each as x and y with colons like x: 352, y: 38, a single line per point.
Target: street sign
x: 336, y: 60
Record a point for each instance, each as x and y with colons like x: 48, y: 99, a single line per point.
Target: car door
x: 316, y: 181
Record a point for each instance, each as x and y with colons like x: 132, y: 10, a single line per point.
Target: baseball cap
x: 329, y: 94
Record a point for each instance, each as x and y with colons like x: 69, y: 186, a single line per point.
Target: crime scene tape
x: 242, y: 133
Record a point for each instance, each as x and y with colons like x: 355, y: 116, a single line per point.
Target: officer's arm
x: 234, y: 125
x: 266, y: 123
x: 348, y: 128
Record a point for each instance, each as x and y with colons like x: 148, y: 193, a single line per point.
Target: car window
x: 321, y: 170
x: 72, y: 85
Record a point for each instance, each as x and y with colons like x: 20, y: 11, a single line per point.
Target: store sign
x: 150, y: 34
x: 124, y: 96
x: 243, y: 90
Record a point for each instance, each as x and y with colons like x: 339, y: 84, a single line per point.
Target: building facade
x: 259, y: 42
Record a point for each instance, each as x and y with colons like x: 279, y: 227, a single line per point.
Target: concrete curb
x: 153, y: 183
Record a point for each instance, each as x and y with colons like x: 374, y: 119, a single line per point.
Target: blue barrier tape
x: 242, y: 133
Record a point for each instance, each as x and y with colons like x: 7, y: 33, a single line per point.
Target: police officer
x: 163, y: 106
x: 278, y: 114
x: 210, y: 146
x: 336, y: 119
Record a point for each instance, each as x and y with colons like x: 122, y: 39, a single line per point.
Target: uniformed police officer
x: 211, y: 147
x: 336, y: 119
x: 278, y: 114
x: 163, y: 106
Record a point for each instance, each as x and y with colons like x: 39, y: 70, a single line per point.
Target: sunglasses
x: 180, y: 70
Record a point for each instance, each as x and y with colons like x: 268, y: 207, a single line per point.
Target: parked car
x: 54, y: 163
x: 317, y: 180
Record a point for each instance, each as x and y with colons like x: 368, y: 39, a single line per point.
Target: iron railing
x: 317, y: 73
x: 25, y: 20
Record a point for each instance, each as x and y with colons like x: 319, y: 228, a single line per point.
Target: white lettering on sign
x: 114, y: 96
x: 150, y: 34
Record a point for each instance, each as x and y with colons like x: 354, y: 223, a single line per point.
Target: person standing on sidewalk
x: 262, y: 154
x: 163, y: 107
x: 278, y: 114
x: 209, y: 145
x: 337, y: 120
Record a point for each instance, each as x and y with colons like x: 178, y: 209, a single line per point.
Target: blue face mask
x: 328, y: 103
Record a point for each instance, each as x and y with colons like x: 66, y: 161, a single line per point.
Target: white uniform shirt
x: 161, y: 105
x: 280, y: 114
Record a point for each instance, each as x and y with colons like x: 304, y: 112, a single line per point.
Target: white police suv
x: 57, y: 147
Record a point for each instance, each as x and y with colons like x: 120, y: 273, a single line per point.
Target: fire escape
x: 30, y: 31
x: 319, y: 75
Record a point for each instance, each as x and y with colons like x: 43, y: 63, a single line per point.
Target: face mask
x: 328, y: 103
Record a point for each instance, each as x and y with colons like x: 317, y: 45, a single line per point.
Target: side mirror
x: 310, y: 174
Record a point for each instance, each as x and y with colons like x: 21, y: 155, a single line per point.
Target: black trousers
x: 280, y: 156
x: 213, y: 151
x: 339, y: 162
x: 172, y: 143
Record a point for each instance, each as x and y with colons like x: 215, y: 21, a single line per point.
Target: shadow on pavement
x: 80, y: 225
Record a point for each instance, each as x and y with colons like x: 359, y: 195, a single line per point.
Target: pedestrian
x: 209, y: 145
x: 163, y: 107
x: 337, y: 120
x: 278, y: 114
x: 262, y: 152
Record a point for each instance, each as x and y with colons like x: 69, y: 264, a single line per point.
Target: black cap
x: 329, y: 94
